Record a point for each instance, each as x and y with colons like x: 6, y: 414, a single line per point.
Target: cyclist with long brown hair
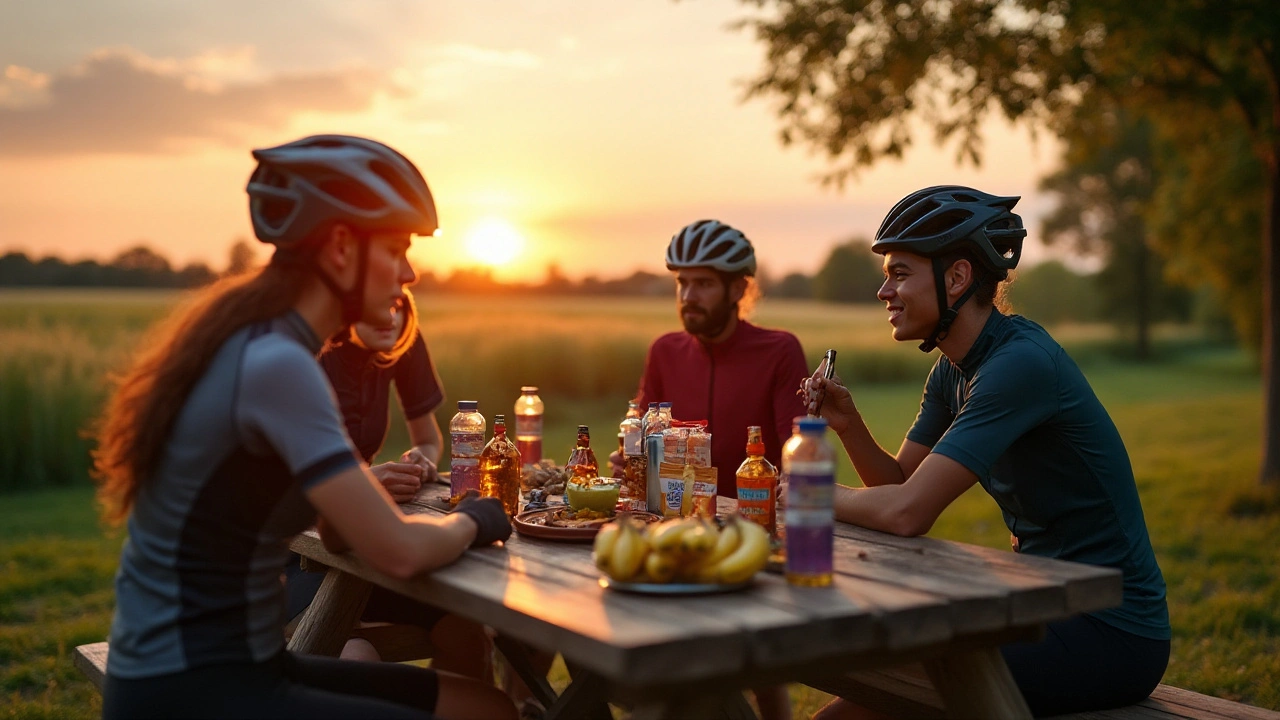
x: 223, y: 440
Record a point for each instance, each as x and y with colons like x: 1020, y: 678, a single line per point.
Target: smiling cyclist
x: 1007, y: 408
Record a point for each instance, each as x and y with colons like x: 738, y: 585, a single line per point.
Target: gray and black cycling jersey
x: 200, y: 578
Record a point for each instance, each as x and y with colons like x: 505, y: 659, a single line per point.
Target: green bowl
x: 601, y: 497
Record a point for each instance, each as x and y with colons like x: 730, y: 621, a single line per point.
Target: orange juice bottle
x: 758, y: 484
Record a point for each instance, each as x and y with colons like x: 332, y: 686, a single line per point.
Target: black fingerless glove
x: 492, y: 524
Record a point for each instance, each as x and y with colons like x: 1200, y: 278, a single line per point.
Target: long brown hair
x: 408, y: 335
x: 139, y: 416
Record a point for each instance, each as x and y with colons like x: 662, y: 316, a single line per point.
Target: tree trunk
x: 1270, y: 473
x: 1144, y: 297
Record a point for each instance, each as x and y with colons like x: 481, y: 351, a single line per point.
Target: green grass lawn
x: 1192, y: 423
x: 1192, y: 428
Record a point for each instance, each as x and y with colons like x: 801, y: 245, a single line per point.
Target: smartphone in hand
x: 826, y: 369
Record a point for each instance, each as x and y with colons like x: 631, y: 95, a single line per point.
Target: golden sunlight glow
x: 494, y: 242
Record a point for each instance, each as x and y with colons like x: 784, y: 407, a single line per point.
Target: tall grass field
x: 1191, y: 420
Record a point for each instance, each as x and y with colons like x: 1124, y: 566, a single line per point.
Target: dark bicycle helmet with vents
x: 301, y: 187
x: 711, y: 243
x: 938, y: 220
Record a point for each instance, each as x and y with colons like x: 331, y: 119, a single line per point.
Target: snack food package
x: 687, y: 489
x: 698, y: 447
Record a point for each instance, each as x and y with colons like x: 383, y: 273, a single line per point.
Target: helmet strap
x: 946, y: 315
x: 352, y: 300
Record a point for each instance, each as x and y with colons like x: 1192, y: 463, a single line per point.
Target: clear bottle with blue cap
x: 809, y: 463
x: 466, y: 442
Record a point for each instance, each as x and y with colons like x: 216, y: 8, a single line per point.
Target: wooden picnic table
x: 894, y: 600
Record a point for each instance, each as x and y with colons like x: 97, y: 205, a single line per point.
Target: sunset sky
x: 575, y: 132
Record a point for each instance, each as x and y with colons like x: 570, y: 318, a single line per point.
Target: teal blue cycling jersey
x: 1019, y: 414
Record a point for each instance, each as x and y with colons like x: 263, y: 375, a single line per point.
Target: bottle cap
x: 664, y: 405
x: 653, y: 406
x: 529, y: 389
x: 500, y: 419
x: 468, y: 405
x: 812, y: 424
x: 582, y: 429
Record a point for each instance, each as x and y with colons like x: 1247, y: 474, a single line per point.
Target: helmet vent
x: 940, y: 223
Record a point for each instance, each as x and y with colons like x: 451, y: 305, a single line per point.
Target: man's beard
x: 710, y: 324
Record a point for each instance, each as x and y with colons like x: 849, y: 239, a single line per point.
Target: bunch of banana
x: 684, y: 550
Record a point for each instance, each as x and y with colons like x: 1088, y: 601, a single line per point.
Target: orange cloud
x: 119, y: 101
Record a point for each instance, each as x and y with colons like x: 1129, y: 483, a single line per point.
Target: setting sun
x: 494, y: 242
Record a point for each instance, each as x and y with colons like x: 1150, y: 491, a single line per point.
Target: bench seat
x: 906, y: 692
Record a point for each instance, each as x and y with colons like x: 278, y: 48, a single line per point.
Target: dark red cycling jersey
x: 750, y: 378
x: 363, y: 390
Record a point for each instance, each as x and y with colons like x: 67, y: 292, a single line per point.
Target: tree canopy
x: 854, y: 78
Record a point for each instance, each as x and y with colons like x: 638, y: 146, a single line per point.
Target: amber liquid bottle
x: 758, y: 484
x: 500, y: 468
x: 582, y: 465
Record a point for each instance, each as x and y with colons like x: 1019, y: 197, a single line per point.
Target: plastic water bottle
x: 664, y: 414
x: 632, y: 431
x: 649, y: 423
x: 466, y: 442
x: 810, y: 467
x: 529, y: 425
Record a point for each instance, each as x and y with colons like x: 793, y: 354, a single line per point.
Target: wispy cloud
x: 122, y: 101
x: 473, y: 54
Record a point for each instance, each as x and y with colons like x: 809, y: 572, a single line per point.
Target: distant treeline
x: 138, y: 267
x: 850, y: 273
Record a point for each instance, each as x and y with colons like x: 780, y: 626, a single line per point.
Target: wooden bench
x: 907, y: 692
x: 394, y: 643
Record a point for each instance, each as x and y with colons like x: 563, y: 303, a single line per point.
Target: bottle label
x: 528, y: 425
x: 757, y: 504
x: 466, y: 444
x: 810, y: 518
x: 464, y: 475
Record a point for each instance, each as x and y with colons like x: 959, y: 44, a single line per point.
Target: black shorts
x: 383, y: 605
x: 1085, y: 664
x: 287, y: 686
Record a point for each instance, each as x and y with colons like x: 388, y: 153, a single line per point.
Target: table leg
x: 977, y: 683
x: 517, y: 656
x: 327, y: 622
x: 586, y: 697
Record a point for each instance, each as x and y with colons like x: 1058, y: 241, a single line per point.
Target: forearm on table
x: 885, y: 508
x: 420, y: 543
x: 430, y: 449
x: 874, y: 465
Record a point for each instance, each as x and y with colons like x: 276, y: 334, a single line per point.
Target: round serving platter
x: 534, y: 524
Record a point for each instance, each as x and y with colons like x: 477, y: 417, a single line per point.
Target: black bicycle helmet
x: 938, y: 220
x: 711, y: 243
x: 302, y: 187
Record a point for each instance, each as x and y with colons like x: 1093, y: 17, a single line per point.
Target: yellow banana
x: 603, y: 548
x: 661, y: 567
x: 698, y: 540
x: 628, y: 554
x: 746, y: 560
x: 726, y: 542
x: 666, y: 535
